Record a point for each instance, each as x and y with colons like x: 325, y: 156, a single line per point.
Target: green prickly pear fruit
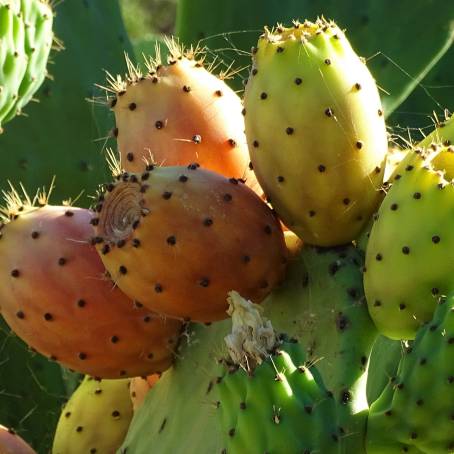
x: 95, y: 419
x: 401, y: 289
x: 271, y: 399
x: 323, y: 293
x: 25, y: 42
x: 415, y: 411
x: 11, y: 443
x: 316, y: 131
x: 54, y: 283
x: 178, y: 239
x: 180, y: 113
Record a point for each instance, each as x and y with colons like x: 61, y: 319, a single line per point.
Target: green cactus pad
x: 25, y: 42
x: 268, y: 380
x: 322, y: 294
x: 415, y: 411
x: 410, y: 249
x: 316, y: 131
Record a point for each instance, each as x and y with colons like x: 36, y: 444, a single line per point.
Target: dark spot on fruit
x: 298, y: 81
x: 402, y: 306
x: 130, y: 157
x: 218, y: 93
x: 263, y: 95
x: 321, y: 168
x: 159, y: 124
x: 20, y: 314
x: 61, y: 261
x: 166, y: 195
x: 132, y: 106
x: 158, y: 288
x: 394, y: 206
x: 81, y: 303
x: 280, y: 179
x: 82, y: 356
x: 329, y: 112
x: 15, y: 273
x: 227, y: 197
x: 378, y: 257
x: 268, y: 230
x: 171, y: 240
x: 311, y: 213
x: 121, y: 243
x: 186, y: 88
x: 204, y: 282
x: 346, y: 201
x: 289, y: 131
x: 122, y: 269
x: 435, y: 239
x: 359, y: 145
x: 406, y: 250
x: 207, y: 222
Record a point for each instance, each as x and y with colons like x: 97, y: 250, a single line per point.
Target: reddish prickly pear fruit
x: 55, y: 296
x: 316, y: 131
x: 180, y: 113
x: 139, y: 388
x: 11, y: 443
x: 95, y: 419
x: 178, y: 239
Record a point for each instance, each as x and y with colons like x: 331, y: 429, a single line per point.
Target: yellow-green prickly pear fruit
x: 95, y: 419
x: 410, y: 251
x: 316, y: 131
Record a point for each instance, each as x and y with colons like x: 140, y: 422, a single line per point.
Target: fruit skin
x: 401, y: 289
x: 180, y: 238
x: 415, y: 411
x: 310, y: 296
x: 95, y: 419
x: 54, y: 282
x: 315, y: 131
x: 180, y: 113
x: 11, y: 443
x: 25, y: 42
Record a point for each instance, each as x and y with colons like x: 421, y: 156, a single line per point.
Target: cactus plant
x: 25, y: 42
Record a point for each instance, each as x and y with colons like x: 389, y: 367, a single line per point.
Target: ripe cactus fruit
x: 54, y: 282
x: 11, y: 443
x: 400, y: 288
x: 415, y: 411
x: 316, y: 131
x: 95, y: 419
x: 25, y: 42
x: 139, y: 388
x: 269, y: 381
x: 180, y: 113
x: 178, y: 239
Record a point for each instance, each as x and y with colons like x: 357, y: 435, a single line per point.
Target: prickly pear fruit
x: 25, y: 42
x: 178, y: 114
x: 95, y: 419
x: 415, y: 411
x: 269, y: 381
x: 55, y: 283
x: 400, y: 288
x: 11, y: 443
x: 178, y: 239
x: 139, y: 388
x: 316, y: 131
